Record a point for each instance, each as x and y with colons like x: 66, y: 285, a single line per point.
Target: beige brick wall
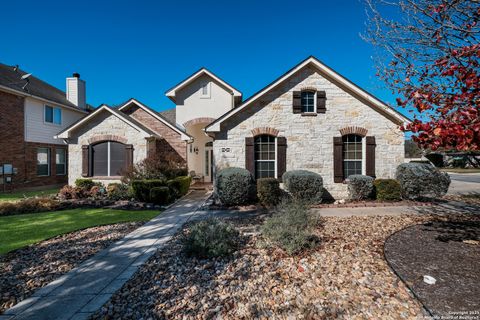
x: 310, y: 138
x: 103, y: 124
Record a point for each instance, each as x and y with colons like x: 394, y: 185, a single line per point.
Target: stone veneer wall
x: 104, y: 124
x: 310, y: 138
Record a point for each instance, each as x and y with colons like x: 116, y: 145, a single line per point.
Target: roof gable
x: 171, y: 93
x: 10, y: 79
x: 330, y: 75
x: 156, y: 115
x: 65, y: 134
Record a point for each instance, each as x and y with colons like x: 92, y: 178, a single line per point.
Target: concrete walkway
x: 83, y: 290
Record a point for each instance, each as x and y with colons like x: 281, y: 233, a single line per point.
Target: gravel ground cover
x: 346, y: 277
x: 448, y: 251
x: 24, y: 270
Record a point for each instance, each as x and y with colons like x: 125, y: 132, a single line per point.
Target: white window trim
x: 275, y: 166
x: 53, y: 116
x: 314, y: 103
x: 48, y: 162
x: 364, y: 158
x: 64, y: 163
x: 108, y: 160
x: 209, y: 90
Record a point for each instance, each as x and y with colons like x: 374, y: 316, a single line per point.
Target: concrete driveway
x: 464, y: 183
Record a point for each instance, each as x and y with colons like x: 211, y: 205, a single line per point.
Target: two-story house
x: 32, y: 112
x: 309, y: 118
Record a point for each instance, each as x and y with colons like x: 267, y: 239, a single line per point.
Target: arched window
x: 108, y: 158
x: 352, y: 155
x: 265, y: 156
x: 308, y: 101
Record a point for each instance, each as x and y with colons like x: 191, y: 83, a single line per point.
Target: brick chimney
x: 76, y: 92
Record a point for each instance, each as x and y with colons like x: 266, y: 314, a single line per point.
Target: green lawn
x: 18, y: 195
x: 22, y: 230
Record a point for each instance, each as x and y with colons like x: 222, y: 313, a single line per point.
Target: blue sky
x: 141, y: 48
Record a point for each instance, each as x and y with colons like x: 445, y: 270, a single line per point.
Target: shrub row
x: 413, y: 181
x: 160, y: 191
x: 31, y: 205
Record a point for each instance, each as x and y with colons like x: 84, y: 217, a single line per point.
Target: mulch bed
x: 449, y: 251
x: 361, y: 204
x: 24, y: 270
x: 346, y: 277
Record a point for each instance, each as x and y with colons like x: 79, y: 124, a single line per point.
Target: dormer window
x: 308, y: 101
x: 205, y: 90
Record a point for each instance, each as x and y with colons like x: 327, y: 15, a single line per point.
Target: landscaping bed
x: 447, y: 250
x: 346, y: 276
x: 24, y: 270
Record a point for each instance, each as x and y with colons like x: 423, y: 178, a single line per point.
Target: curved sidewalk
x: 83, y: 290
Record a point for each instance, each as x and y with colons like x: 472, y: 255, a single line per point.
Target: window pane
x: 308, y: 101
x: 48, y: 114
x: 117, y: 158
x: 205, y: 89
x: 264, y: 156
x: 352, y: 155
x: 100, y: 159
x: 57, y: 116
x: 60, y: 161
x: 43, y: 162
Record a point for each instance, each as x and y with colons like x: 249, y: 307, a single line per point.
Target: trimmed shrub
x: 235, y: 186
x: 210, y: 238
x: 421, y: 180
x: 359, y: 187
x: 268, y: 191
x: 180, y: 185
x: 118, y: 191
x: 387, y: 190
x: 85, y: 184
x: 141, y: 188
x: 291, y: 227
x: 304, y: 185
x: 31, y: 205
x: 160, y: 195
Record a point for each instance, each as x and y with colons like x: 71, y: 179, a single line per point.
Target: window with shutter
x: 321, y: 102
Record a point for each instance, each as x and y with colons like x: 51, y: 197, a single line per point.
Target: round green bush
x: 387, y: 190
x: 268, y: 191
x: 85, y: 184
x: 304, y: 185
x: 160, y: 195
x: 210, y: 238
x: 235, y: 186
x: 359, y: 187
x: 419, y: 181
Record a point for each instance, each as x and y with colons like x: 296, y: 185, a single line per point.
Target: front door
x: 208, y: 164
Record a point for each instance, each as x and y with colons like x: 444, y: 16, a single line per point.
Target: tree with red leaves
x: 428, y: 52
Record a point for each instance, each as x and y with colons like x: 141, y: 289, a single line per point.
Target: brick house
x: 31, y: 113
x: 309, y: 118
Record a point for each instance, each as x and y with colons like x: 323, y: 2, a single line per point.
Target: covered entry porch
x: 199, y: 151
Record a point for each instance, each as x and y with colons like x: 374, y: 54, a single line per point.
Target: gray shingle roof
x: 11, y: 78
x: 169, y: 115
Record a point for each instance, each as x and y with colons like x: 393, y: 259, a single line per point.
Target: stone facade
x: 103, y: 124
x: 310, y: 136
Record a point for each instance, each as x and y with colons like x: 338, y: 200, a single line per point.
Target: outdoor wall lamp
x: 195, y: 149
